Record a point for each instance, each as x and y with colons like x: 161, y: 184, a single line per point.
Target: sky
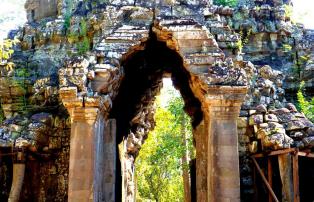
x: 304, y: 10
x: 12, y: 15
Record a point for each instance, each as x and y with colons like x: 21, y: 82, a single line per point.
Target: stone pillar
x: 222, y: 108
x: 18, y: 176
x: 105, y: 163
x: 201, y: 139
x: 92, y: 156
x: 82, y: 154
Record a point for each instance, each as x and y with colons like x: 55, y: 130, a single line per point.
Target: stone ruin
x: 78, y: 104
x: 39, y: 9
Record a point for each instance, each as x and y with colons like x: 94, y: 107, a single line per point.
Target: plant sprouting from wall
x: 286, y: 47
x: 288, y: 11
x: 244, y: 38
x: 230, y: 3
x: 83, y: 28
x: 6, y: 49
x: 80, y: 38
x: 22, y: 73
x: 84, y: 45
x: 2, y: 117
x: 68, y: 14
x: 307, y: 107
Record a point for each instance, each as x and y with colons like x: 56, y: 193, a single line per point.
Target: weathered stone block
x: 295, y: 125
x: 256, y: 119
x: 308, y: 141
x: 242, y: 122
x: 271, y: 118
x: 38, y: 9
x: 244, y: 139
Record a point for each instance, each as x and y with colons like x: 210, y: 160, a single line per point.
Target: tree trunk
x: 185, y: 163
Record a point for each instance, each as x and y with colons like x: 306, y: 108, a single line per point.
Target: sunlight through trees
x: 162, y: 166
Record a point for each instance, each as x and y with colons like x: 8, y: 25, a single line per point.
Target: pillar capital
x: 82, y: 107
x: 225, y: 95
x: 224, y: 102
x: 88, y: 114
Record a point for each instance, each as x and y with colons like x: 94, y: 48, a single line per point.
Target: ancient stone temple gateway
x: 79, y: 103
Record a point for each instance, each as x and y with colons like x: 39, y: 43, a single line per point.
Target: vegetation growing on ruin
x: 68, y: 14
x: 288, y: 11
x: 306, y: 106
x: 84, y: 45
x: 230, y: 3
x: 244, y: 38
x: 80, y: 39
x: 287, y: 47
x: 1, y: 113
x: 6, y: 50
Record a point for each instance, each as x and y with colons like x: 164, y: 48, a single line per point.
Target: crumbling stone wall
x: 39, y: 9
x: 267, y: 36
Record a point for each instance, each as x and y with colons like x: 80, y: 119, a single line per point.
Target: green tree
x: 307, y: 107
x: 159, y: 166
x: 230, y: 3
x: 6, y: 51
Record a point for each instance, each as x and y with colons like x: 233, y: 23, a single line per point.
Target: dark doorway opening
x: 142, y: 81
x: 32, y: 15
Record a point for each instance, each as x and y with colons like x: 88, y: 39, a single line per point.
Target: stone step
x: 196, y: 50
x: 203, y: 58
x: 173, y: 28
x: 196, y: 43
x: 132, y: 31
x: 116, y: 46
x: 227, y: 37
x: 198, y: 69
x: 192, y: 34
x: 126, y: 36
x: 178, y: 22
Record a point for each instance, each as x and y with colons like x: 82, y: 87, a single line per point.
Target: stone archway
x: 213, y: 83
x: 133, y: 106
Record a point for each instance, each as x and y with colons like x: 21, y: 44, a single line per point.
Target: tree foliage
x: 159, y: 166
x: 230, y: 3
x: 307, y: 107
x: 6, y: 49
x: 84, y: 45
